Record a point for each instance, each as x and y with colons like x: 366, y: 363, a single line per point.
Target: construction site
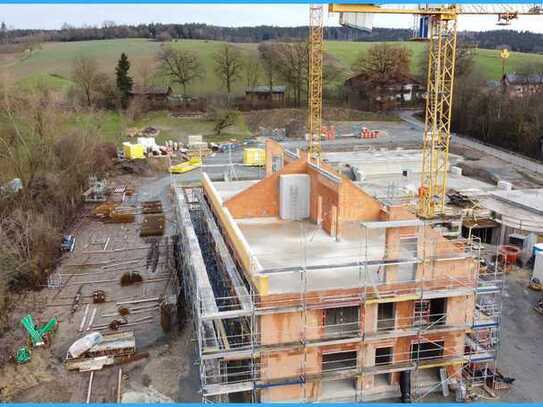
x: 353, y: 271
x: 366, y: 261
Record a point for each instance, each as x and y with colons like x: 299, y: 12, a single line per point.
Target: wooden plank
x: 119, y: 384
x: 82, y: 325
x: 139, y: 301
x: 89, y: 389
x: 91, y: 319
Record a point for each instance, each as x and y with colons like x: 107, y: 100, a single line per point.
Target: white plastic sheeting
x: 294, y: 191
x: 84, y: 344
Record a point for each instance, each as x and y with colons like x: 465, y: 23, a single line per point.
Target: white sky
x: 52, y: 16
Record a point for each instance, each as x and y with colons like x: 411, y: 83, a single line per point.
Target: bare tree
x: 268, y: 63
x: 291, y: 61
x: 253, y: 70
x: 382, y: 64
x: 228, y: 65
x: 164, y: 36
x: 464, y: 61
x: 145, y: 70
x: 87, y: 77
x: 180, y: 66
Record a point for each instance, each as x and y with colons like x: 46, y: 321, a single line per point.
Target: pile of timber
x: 113, y: 349
x: 123, y: 214
x: 115, y: 213
x: 153, y: 225
x: 104, y: 210
x: 152, y: 207
x: 154, y: 220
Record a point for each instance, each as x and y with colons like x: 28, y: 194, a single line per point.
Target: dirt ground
x: 103, y: 252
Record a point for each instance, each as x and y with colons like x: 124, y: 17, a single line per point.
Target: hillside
x: 52, y: 63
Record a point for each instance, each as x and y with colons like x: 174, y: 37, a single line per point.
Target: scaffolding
x: 484, y: 340
x: 359, y: 342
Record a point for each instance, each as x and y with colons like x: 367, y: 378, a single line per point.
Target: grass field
x: 52, y: 64
x: 112, y: 126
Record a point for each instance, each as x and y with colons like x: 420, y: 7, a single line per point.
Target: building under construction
x: 304, y: 287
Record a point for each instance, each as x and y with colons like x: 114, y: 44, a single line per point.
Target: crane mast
x: 314, y: 99
x: 437, y: 126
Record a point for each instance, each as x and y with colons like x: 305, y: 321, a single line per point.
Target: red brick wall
x: 262, y: 198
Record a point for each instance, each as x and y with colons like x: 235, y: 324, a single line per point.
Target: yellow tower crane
x: 314, y: 99
x: 441, y: 34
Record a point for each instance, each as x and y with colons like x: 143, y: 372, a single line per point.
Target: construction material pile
x: 94, y: 351
x: 154, y: 220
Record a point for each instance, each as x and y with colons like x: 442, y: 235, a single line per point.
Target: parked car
x: 227, y: 147
x: 68, y: 243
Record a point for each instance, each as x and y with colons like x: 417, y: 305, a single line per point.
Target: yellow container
x: 254, y: 157
x: 133, y: 151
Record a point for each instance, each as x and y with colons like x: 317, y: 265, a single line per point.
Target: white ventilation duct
x: 294, y: 192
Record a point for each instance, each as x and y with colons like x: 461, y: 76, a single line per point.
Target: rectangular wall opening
x: 383, y: 357
x: 386, y: 316
x: 334, y: 363
x: 438, y: 311
x: 427, y: 350
x: 483, y: 233
x: 408, y: 251
x: 338, y: 361
x: 430, y: 312
x: 341, y: 322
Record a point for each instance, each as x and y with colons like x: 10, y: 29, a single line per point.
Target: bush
x: 53, y: 161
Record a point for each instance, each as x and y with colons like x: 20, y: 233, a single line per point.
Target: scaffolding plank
x: 216, y: 389
x: 392, y: 224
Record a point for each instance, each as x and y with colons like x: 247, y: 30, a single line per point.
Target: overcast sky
x: 54, y: 15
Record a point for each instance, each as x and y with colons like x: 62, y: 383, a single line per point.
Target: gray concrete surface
x: 217, y: 165
x: 521, y: 353
x: 281, y: 244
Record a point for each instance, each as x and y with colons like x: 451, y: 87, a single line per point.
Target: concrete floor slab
x: 528, y: 199
x: 280, y: 244
x: 381, y: 161
x: 393, y: 186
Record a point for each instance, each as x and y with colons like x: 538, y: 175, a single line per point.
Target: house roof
x: 361, y: 79
x: 151, y: 90
x: 266, y: 89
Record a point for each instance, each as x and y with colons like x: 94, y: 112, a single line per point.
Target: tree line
x: 523, y: 41
x: 495, y: 117
x: 275, y: 63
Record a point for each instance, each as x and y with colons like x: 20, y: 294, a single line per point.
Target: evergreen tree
x: 124, y: 82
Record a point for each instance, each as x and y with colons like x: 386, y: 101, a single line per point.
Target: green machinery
x: 23, y: 355
x: 37, y: 334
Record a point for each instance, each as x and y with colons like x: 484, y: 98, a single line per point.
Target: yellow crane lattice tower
x: 437, y: 126
x: 314, y: 99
